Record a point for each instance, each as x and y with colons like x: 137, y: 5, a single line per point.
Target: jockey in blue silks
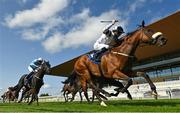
x: 34, y: 65
x: 108, y: 36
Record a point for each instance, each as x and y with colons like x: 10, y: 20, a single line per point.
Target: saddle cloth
x: 91, y: 57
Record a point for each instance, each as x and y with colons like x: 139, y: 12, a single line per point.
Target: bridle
x: 151, y: 41
x: 42, y: 66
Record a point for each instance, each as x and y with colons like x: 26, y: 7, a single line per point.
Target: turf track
x: 113, y: 106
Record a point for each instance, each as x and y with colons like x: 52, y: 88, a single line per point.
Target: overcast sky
x: 59, y: 30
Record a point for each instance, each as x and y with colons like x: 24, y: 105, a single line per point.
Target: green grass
x: 113, y: 106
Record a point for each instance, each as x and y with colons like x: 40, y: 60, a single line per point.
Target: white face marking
x: 155, y: 35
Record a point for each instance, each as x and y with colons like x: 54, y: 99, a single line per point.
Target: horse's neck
x: 129, y: 45
x: 40, y: 73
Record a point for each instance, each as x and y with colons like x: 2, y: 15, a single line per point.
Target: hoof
x: 129, y: 97
x: 103, y: 104
x: 154, y: 93
x: 107, y: 95
x: 113, y: 94
x: 117, y: 89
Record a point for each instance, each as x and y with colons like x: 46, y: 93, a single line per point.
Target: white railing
x: 137, y: 91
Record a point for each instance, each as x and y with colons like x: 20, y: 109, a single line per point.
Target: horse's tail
x: 63, y: 89
x: 71, y: 78
x: 20, y: 83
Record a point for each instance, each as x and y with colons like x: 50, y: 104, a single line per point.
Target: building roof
x: 169, y: 26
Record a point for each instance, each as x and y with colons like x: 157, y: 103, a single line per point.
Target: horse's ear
x: 143, y: 23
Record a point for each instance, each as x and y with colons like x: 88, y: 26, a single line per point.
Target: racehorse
x: 9, y: 95
x: 72, y: 85
x: 67, y: 89
x: 35, y: 83
x: 117, y: 62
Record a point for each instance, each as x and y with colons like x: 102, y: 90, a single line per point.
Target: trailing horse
x: 9, y: 95
x: 71, y: 89
x: 117, y: 62
x: 35, y: 83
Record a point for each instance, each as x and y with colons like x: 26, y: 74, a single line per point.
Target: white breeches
x: 98, y: 46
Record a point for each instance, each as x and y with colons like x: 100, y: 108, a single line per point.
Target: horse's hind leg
x: 153, y: 87
x: 32, y: 98
x: 84, y: 89
x: 80, y: 96
x: 128, y: 95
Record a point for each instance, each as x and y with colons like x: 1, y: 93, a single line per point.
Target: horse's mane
x: 129, y: 34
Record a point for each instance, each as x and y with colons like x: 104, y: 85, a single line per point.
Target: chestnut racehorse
x: 117, y: 62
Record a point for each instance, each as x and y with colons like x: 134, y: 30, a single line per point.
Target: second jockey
x: 34, y: 65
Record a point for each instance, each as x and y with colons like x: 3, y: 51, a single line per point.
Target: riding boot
x: 27, y: 78
x: 98, y: 54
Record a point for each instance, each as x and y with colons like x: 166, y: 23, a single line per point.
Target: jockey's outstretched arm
x: 106, y: 29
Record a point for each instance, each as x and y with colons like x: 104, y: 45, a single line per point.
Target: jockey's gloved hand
x: 114, y: 21
x: 36, y: 70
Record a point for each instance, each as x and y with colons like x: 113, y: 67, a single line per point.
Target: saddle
x: 92, y: 56
x: 28, y: 79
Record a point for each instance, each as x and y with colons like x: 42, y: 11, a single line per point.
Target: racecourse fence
x: 168, y: 89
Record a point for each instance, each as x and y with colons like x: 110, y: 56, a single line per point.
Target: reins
x: 123, y: 54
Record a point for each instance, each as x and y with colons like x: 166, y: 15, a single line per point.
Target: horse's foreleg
x: 153, y: 87
x: 32, y: 98
x: 128, y: 95
x: 93, y: 96
x: 64, y: 94
x: 97, y: 93
x: 3, y: 100
x: 36, y: 97
x: 120, y: 86
x: 98, y: 90
x: 80, y: 96
x: 33, y: 93
x: 119, y: 75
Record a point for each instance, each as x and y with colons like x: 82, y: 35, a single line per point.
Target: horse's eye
x: 150, y: 30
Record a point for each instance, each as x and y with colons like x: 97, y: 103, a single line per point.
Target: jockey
x: 34, y: 65
x: 108, y: 36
